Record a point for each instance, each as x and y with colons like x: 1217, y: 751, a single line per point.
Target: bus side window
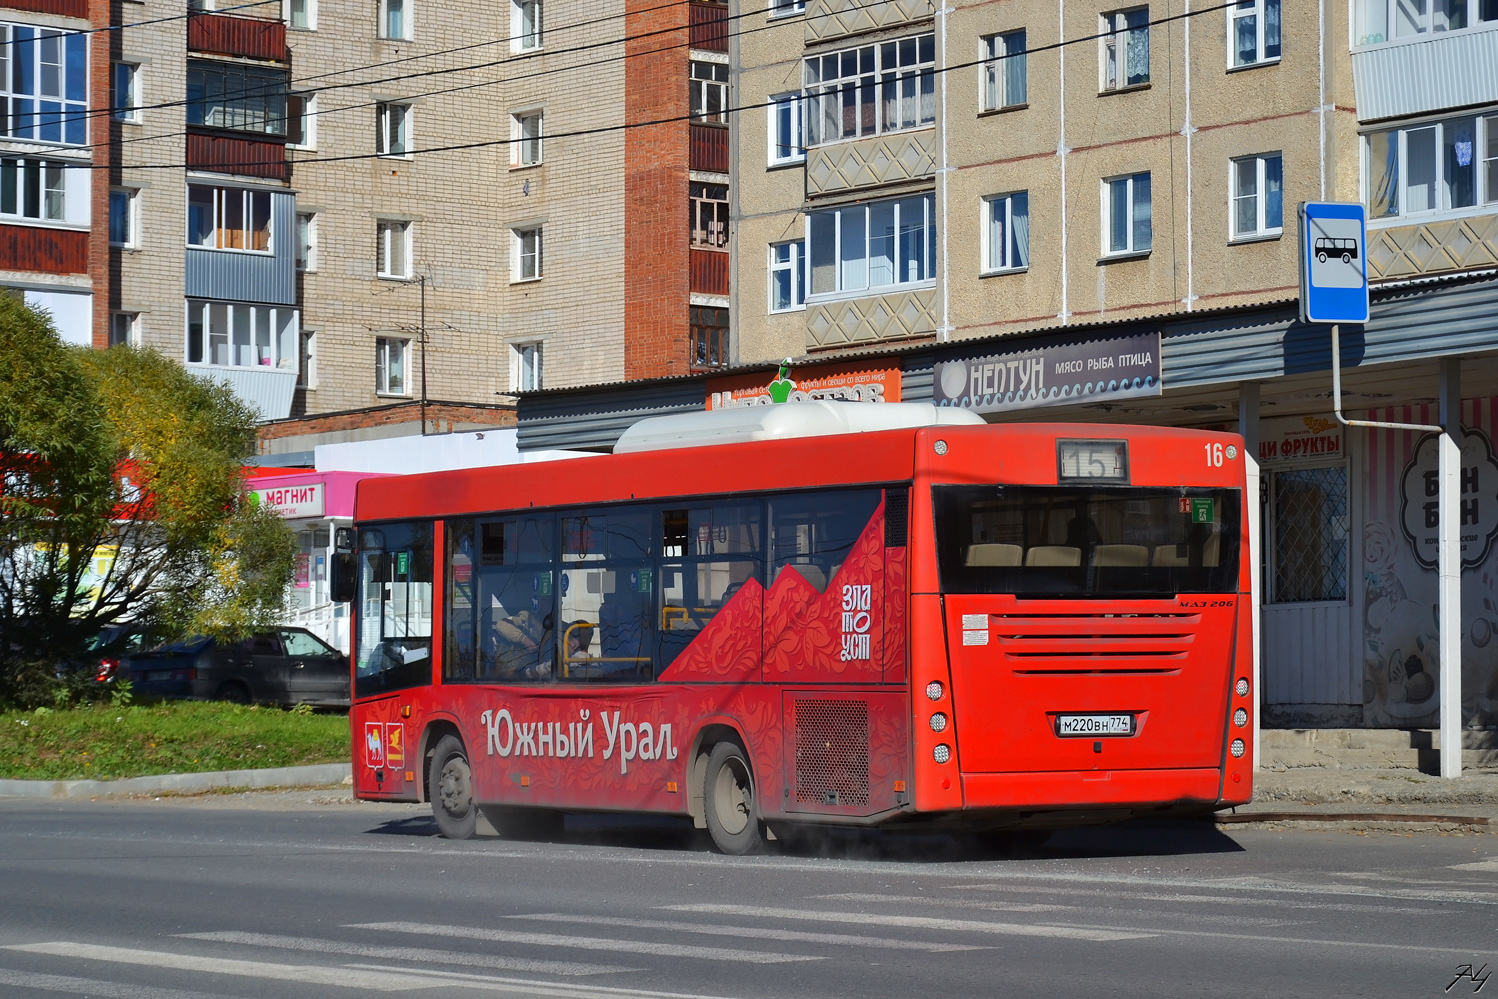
x: 501, y: 616
x: 607, y: 579
x: 812, y: 533
x: 708, y: 552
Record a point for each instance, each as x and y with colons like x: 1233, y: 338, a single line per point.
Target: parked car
x: 112, y: 645
x: 287, y: 666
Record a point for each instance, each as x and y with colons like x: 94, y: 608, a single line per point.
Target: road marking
x: 763, y: 933
x: 96, y: 988
x: 919, y: 922
x: 1250, y: 884
x: 1150, y: 896
x: 370, y: 981
x: 969, y: 903
x: 556, y: 988
x: 957, y: 903
x: 1481, y: 865
x: 1309, y: 942
x: 588, y: 943
x: 408, y: 954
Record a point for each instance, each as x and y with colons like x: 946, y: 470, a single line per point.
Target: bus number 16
x: 1214, y: 455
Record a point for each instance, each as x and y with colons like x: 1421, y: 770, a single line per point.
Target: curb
x: 324, y: 773
x: 1249, y: 817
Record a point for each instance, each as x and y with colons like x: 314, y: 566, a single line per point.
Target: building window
x: 1127, y: 223
x: 525, y: 138
x: 395, y: 19
x: 390, y: 365
x: 301, y: 121
x: 525, y: 254
x: 1003, y: 83
x: 781, y: 8
x: 1377, y: 21
x: 1308, y: 530
x: 788, y: 276
x: 1006, y: 232
x: 870, y: 89
x: 124, y: 98
x: 709, y: 337
x: 709, y: 208
x: 393, y: 250
x: 228, y: 218
x: 33, y: 189
x: 239, y: 98
x: 122, y: 218
x: 1125, y: 49
x: 787, y: 145
x: 1254, y: 32
x: 1257, y: 183
x: 525, y: 25
x: 306, y: 241
x: 122, y: 329
x: 1437, y: 166
x: 709, y: 83
x: 525, y: 366
x: 880, y: 245
x: 301, y: 14
x: 307, y: 370
x: 392, y: 129
x: 232, y: 334
x: 43, y: 84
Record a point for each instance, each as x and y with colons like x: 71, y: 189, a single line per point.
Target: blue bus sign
x: 1333, y: 263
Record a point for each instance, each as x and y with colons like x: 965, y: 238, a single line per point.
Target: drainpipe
x: 945, y: 333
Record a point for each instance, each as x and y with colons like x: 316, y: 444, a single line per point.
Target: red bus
x: 889, y: 615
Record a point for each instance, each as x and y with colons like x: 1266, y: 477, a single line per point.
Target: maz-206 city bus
x: 760, y: 618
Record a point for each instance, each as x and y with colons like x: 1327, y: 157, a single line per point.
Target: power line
x: 674, y: 119
x: 512, y: 79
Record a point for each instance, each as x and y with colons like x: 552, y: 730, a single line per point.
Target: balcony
x: 709, y: 30
x: 709, y: 272
x: 50, y: 251
x: 892, y: 158
x: 709, y: 147
x: 827, y: 19
x: 1430, y: 73
x: 62, y: 8
x: 246, y: 157
x: 243, y: 37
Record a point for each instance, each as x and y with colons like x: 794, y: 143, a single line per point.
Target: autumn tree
x: 122, y: 500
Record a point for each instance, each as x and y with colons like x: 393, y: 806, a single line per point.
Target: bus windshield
x: 1086, y: 541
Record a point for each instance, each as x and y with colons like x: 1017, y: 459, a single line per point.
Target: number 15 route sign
x: 1333, y: 262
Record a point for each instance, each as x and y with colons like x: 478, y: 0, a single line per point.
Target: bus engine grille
x: 832, y: 751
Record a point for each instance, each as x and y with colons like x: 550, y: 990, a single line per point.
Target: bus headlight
x: 1242, y: 686
x: 1240, y: 718
x: 938, y: 722
x: 1237, y: 749
x: 934, y: 690
x: 942, y: 753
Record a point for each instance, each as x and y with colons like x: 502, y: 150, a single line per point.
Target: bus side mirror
x: 343, y: 577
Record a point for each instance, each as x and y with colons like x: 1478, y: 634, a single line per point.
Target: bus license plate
x: 1094, y: 725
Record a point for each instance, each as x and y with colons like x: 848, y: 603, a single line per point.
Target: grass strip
x: 102, y: 742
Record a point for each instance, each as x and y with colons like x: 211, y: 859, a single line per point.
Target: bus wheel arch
x: 433, y: 734
x: 726, y: 790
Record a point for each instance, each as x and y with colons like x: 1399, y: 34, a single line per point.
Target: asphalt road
x: 174, y: 900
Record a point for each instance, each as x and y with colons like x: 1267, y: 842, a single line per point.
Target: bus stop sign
x: 1333, y: 263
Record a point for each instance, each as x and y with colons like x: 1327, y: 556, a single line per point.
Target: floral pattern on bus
x: 894, y: 615
x: 804, y: 629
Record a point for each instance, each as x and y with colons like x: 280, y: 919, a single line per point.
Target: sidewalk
x: 280, y: 777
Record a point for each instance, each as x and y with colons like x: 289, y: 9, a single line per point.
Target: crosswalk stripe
x: 763, y: 933
x: 567, y: 991
x: 956, y: 903
x: 369, y: 981
x: 408, y: 954
x: 588, y: 943
x: 96, y: 988
x: 917, y: 922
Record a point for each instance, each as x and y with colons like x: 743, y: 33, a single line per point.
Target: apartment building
x: 54, y: 87
x: 420, y: 208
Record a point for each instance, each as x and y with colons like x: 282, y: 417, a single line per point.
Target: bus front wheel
x: 732, y: 811
x: 451, y: 782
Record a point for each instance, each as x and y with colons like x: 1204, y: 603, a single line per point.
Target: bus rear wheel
x: 728, y: 796
x: 451, y: 782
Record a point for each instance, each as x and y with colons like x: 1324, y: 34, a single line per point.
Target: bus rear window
x: 1069, y: 541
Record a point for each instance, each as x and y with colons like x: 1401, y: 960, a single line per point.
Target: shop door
x: 1307, y: 609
